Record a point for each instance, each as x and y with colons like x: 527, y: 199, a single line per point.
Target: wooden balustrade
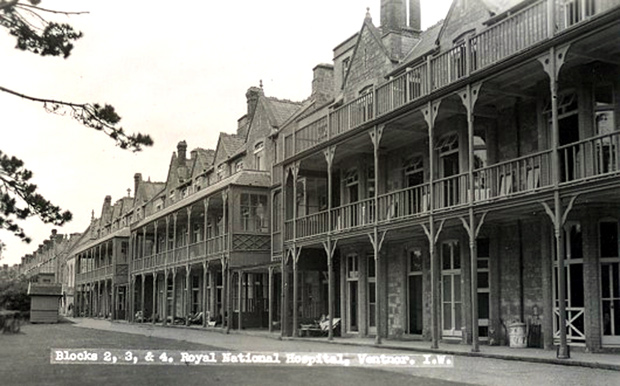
x: 590, y: 157
x: 451, y: 191
x: 312, y: 224
x: 449, y: 66
x: 354, y: 215
x: 311, y: 135
x: 520, y: 175
x: 404, y: 203
x: 517, y: 32
x: 507, y: 37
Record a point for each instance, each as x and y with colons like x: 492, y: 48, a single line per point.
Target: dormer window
x: 220, y: 172
x: 239, y: 166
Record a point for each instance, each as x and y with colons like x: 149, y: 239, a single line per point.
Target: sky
x: 176, y: 72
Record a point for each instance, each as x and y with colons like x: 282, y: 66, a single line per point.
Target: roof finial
x: 261, y: 83
x: 128, y: 192
x: 92, y: 214
x: 368, y: 17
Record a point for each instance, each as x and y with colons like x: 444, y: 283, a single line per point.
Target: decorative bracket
x: 559, y: 54
x: 376, y: 246
x: 430, y: 113
x: 329, y: 156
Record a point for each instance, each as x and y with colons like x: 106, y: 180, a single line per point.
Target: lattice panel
x: 251, y: 242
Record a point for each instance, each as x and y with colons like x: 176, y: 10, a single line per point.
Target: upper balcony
x: 225, y: 219
x: 507, y: 38
x: 584, y: 161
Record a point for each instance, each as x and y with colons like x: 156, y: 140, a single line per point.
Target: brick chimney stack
x: 137, y: 178
x: 182, y: 152
x: 252, y: 97
x: 393, y: 15
x: 415, y: 15
x: 323, y: 83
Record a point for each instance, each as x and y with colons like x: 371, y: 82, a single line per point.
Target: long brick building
x: 439, y: 185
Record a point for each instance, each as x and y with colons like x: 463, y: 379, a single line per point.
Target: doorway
x: 415, y: 291
x: 451, y: 288
x: 610, y: 282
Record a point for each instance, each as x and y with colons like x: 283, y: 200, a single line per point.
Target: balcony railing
x: 217, y: 244
x: 404, y: 203
x: 521, y: 175
x: 351, y: 115
x: 312, y: 224
x: 451, y: 191
x: 354, y: 215
x: 590, y: 158
x: 510, y: 36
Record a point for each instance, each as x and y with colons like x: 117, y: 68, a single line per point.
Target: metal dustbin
x: 516, y: 333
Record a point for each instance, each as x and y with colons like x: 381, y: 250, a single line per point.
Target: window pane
x: 447, y: 288
x: 445, y: 256
x: 576, y: 284
x: 371, y: 266
x: 457, y: 288
x: 483, y: 306
x: 447, y: 316
x: 609, y: 239
x: 457, y: 256
x: 415, y: 261
x: 483, y: 280
x: 483, y: 248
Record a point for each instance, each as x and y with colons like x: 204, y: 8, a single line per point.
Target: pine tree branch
x: 93, y: 115
x: 50, y: 10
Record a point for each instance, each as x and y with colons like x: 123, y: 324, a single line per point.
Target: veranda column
x: 174, y: 267
x: 153, y: 313
x: 329, y: 248
x: 469, y: 97
x: 188, y: 293
x: 165, y: 302
x: 296, y: 253
x: 430, y: 114
x: 271, y: 302
x: 142, y: 307
x: 375, y: 136
x: 205, y: 269
x: 240, y: 277
x: 173, y: 313
x: 552, y: 63
x: 166, y: 258
x: 132, y: 297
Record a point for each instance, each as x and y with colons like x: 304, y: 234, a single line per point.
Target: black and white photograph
x: 321, y: 192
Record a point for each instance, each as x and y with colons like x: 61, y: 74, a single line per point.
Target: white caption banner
x: 224, y: 358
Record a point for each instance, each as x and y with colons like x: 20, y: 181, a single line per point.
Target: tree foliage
x: 14, y: 295
x: 28, y: 23
x: 19, y: 199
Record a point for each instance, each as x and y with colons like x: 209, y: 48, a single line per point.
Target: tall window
x: 484, y: 287
x: 220, y: 172
x: 254, y: 213
x: 259, y: 156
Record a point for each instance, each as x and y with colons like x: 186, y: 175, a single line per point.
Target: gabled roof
x: 227, y: 145
x: 281, y: 110
x: 254, y: 178
x: 376, y: 34
x: 425, y: 45
x: 203, y: 161
x: 149, y: 189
